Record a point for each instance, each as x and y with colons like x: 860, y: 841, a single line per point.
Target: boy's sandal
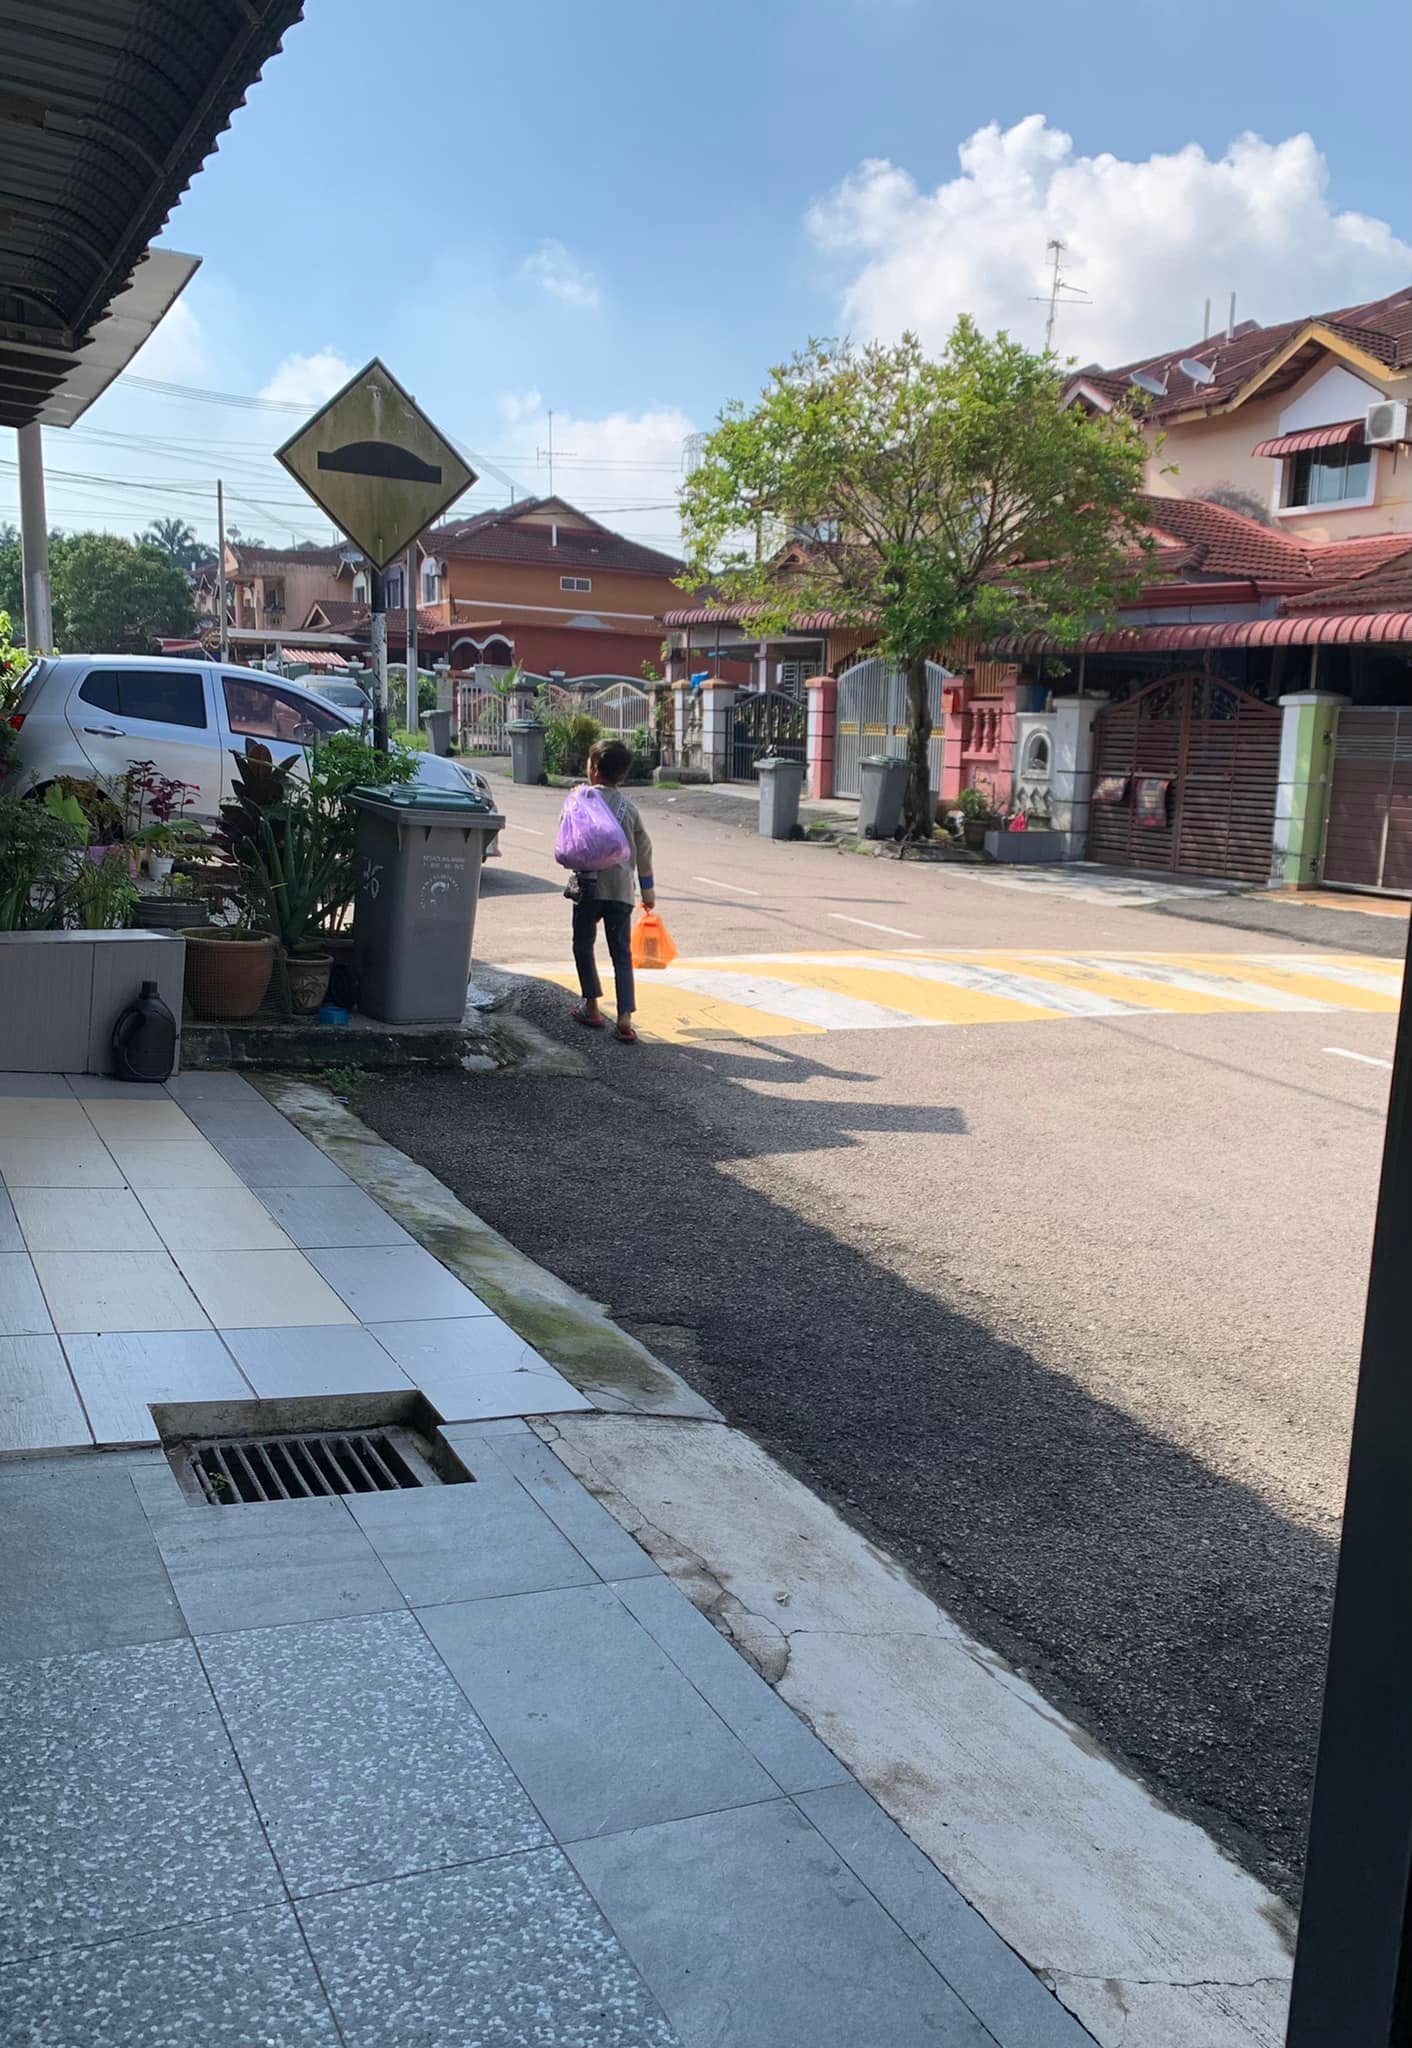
x: 626, y: 1033
x: 581, y: 1016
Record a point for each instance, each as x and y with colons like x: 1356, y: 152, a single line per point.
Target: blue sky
x: 625, y: 212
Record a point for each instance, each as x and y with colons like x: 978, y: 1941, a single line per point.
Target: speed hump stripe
x: 668, y: 1010
x: 914, y: 988
x: 829, y: 1008
x: 1326, y: 981
x: 1233, y: 979
x: 1131, y: 989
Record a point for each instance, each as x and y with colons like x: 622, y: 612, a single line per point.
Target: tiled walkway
x: 447, y: 1768
x: 186, y: 1243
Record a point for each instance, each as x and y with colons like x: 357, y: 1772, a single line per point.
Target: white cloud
x: 514, y: 406
x: 1148, y: 241
x: 555, y: 271
x: 309, y: 380
x: 176, y: 353
x: 623, y: 469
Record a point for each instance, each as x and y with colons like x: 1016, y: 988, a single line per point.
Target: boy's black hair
x: 613, y: 758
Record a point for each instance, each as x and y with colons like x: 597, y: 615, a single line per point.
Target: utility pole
x: 377, y: 599
x: 34, y: 541
x: 221, y: 567
x: 412, y: 602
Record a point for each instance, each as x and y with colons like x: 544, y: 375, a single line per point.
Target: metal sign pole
x: 377, y: 597
x: 413, y: 598
x: 1353, y: 1965
x: 221, y: 569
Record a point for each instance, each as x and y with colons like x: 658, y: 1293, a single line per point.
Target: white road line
x: 1366, y: 1058
x: 869, y: 925
x: 712, y: 883
x: 527, y: 829
x: 828, y: 1008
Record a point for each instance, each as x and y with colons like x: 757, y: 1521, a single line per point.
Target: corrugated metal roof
x: 1311, y: 437
x: 108, y: 108
x: 1348, y: 629
x: 742, y: 614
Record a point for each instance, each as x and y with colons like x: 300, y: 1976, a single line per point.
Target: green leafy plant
x: 104, y: 893
x: 40, y: 857
x: 975, y: 803
x: 568, y: 735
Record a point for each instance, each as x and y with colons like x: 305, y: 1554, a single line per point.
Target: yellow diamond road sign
x: 376, y: 465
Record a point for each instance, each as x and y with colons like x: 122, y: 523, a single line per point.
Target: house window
x: 360, y: 588
x: 431, y: 583
x: 396, y: 590
x: 576, y: 583
x: 1329, y: 476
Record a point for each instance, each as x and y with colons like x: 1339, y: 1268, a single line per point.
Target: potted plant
x: 978, y: 816
x: 278, y: 831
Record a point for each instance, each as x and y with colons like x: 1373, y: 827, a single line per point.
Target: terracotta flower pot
x: 308, y: 974
x: 227, y: 973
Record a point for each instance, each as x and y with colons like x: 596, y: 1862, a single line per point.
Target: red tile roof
x: 1382, y: 629
x: 1226, y: 543
x: 508, y: 534
x: 1385, y: 584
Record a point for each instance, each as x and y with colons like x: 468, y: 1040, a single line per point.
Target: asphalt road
x: 1064, y: 1314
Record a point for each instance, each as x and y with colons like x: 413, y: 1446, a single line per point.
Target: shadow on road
x: 1179, y: 1617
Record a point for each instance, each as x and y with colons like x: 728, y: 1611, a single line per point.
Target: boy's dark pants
x: 617, y: 925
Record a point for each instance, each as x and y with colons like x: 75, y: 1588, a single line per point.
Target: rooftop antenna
x: 1206, y: 322
x: 1060, y: 293
x: 547, y: 454
x: 1230, y: 324
x: 693, y: 452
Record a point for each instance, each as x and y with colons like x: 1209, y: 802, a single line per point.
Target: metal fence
x: 872, y: 719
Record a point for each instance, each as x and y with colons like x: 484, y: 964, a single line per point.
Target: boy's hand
x: 649, y: 899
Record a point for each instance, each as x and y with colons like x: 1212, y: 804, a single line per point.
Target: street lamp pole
x: 1353, y: 1964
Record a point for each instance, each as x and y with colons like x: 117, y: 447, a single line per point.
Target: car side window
x: 264, y: 712
x: 154, y: 696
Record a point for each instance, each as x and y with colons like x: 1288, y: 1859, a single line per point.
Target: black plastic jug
x: 144, y: 1038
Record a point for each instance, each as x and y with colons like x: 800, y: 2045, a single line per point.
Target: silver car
x: 90, y: 715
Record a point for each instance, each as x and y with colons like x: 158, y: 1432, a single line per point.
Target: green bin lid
x: 523, y: 725
x: 884, y: 761
x: 413, y: 797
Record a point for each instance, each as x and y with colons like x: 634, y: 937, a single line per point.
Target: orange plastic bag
x: 651, y: 942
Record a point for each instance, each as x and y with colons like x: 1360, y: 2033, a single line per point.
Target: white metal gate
x: 872, y: 719
x: 620, y: 708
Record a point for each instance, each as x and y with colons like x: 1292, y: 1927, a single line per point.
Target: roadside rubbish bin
x: 781, y: 782
x: 526, y: 750
x: 437, y: 727
x: 414, y: 914
x: 884, y: 779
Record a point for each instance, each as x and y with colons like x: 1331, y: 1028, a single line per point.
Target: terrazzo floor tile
x: 599, y: 1725
x: 473, y: 1367
x: 572, y: 1508
x: 25, y: 1116
x: 984, y: 1970
x: 396, y: 1283
x: 391, y: 1772
x: 92, y: 1576
x: 170, y: 1163
x: 212, y: 1220
x: 84, y: 1220
x: 257, y: 1290
x: 510, y: 1954
x: 64, y: 1162
x: 752, y: 1914
x: 773, y: 1734
x: 326, y: 1218
x: 23, y: 1311
x: 89, y: 1291
x: 264, y: 1157
x: 247, y: 1984
x: 10, y: 1237
x: 39, y: 1405
x: 54, y: 1086
x: 342, y: 1359
x: 154, y: 1118
x: 124, y: 1809
x: 120, y: 1375
x: 285, y: 1560
x: 470, y: 1542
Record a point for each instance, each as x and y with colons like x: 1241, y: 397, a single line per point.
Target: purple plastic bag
x: 590, y: 837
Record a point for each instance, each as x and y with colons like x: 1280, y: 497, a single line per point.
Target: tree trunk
x: 916, y: 811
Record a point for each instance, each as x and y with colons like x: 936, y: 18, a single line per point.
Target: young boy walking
x: 607, y: 894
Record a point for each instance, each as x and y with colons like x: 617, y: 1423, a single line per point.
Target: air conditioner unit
x: 1386, y: 421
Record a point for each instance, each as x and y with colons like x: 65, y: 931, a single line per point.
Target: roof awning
x: 315, y: 657
x: 1344, y: 629
x: 1338, y: 436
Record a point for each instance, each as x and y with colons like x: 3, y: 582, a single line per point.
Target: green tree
x: 176, y: 540
x: 114, y: 596
x: 933, y: 502
x: 12, y: 591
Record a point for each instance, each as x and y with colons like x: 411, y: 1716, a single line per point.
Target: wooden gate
x: 1368, y: 837
x: 1185, y: 773
x: 872, y: 719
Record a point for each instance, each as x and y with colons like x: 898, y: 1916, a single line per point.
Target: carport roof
x: 1343, y: 629
x: 108, y: 108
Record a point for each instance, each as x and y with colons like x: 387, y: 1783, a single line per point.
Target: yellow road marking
x: 1142, y: 995
x: 1344, y: 995
x: 936, y: 1002
x: 679, y: 1016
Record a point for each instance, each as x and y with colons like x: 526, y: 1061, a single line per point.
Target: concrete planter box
x: 62, y: 992
x: 1029, y: 849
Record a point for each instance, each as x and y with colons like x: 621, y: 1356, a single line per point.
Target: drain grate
x: 231, y: 1471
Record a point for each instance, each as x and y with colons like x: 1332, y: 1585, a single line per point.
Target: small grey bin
x: 884, y: 780
x: 437, y: 727
x: 414, y: 914
x: 781, y: 783
x: 526, y: 750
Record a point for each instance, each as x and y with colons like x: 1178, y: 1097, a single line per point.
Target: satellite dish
x: 1148, y: 384
x: 1199, y: 373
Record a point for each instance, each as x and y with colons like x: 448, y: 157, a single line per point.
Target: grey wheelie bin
x: 781, y: 782
x: 884, y: 780
x: 526, y: 750
x: 437, y: 727
x: 414, y: 914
